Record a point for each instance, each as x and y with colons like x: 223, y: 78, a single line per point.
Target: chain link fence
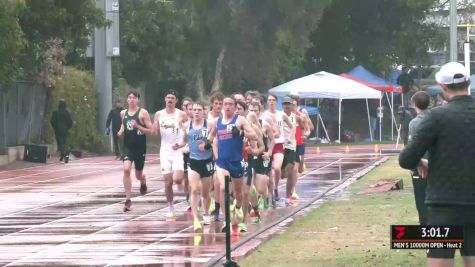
x: 22, y: 110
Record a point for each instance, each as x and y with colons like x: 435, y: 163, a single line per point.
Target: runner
x: 310, y: 127
x: 288, y: 166
x: 301, y: 134
x: 135, y: 125
x: 263, y: 164
x: 278, y: 152
x: 269, y: 118
x: 201, y: 166
x: 250, y: 149
x: 187, y: 107
x: 230, y: 131
x: 216, y: 105
x: 216, y: 111
x: 169, y: 122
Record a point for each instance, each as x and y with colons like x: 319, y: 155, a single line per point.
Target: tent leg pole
x: 392, y: 114
x: 339, y: 121
x: 393, y: 120
x: 369, y: 121
x: 323, y: 126
x: 317, y: 134
x: 380, y: 121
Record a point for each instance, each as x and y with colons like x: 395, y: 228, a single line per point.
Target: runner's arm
x: 244, y: 125
x: 259, y: 142
x: 212, y: 130
x: 184, y: 141
x: 309, y: 122
x: 156, y: 123
x: 121, y: 130
x: 270, y: 142
x: 305, y: 131
x: 144, y: 116
x: 286, y: 119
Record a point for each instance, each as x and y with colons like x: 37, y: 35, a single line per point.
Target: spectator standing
x: 61, y: 122
x: 114, y: 120
x: 421, y: 101
x: 447, y: 133
x: 407, y: 83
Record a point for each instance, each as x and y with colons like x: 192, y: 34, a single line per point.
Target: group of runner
x: 202, y: 144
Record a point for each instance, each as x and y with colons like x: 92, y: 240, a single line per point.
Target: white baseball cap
x: 447, y: 73
x: 294, y: 92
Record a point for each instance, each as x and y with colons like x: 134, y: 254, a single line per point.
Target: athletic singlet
x: 245, y: 145
x: 134, y: 139
x: 229, y: 146
x: 210, y: 115
x: 280, y: 124
x: 298, y: 131
x: 195, y: 138
x: 170, y: 131
x: 287, y: 133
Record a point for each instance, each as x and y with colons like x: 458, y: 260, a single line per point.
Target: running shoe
x: 197, y: 240
x: 260, y: 204
x: 143, y: 188
x: 127, y: 205
x: 223, y: 229
x: 239, y: 214
x: 207, y: 219
x: 66, y: 159
x: 188, y: 206
x: 267, y: 203
x: 242, y: 227
x: 215, y: 214
x: 197, y: 226
x: 171, y: 213
x: 295, y: 196
x: 256, y: 219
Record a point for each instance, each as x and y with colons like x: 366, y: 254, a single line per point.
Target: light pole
x: 453, y: 30
x: 466, y: 47
x: 106, y: 46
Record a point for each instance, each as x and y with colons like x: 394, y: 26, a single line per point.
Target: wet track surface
x: 72, y: 214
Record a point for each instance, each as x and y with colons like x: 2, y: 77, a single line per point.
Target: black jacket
x: 448, y: 134
x: 114, y: 117
x: 61, y: 120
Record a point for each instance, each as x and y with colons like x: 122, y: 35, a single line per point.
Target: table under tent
x: 363, y: 76
x: 329, y: 86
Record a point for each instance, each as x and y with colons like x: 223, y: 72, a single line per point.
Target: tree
x: 71, y: 21
x: 375, y: 33
x: 202, y: 46
x: 13, y: 40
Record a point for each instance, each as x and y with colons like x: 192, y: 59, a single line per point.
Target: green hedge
x: 77, y: 88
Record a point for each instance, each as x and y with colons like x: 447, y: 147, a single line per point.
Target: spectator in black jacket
x: 421, y: 101
x: 62, y: 123
x: 115, y: 119
x: 447, y: 133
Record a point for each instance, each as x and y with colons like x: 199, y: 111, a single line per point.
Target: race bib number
x: 209, y: 166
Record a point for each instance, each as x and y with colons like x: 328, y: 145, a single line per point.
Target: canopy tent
x: 327, y: 85
x: 437, y: 89
x: 362, y: 74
